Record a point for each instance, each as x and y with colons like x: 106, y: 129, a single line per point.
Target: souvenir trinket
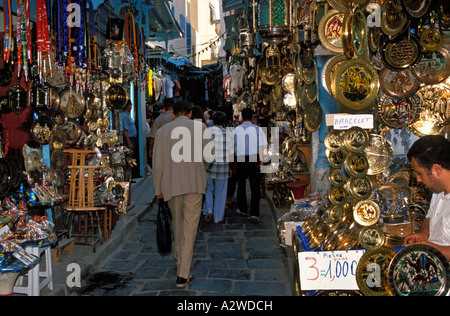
x: 372, y: 237
x: 116, y: 97
x: 313, y: 116
x: 399, y: 113
x: 366, y: 213
x: 394, y: 19
x: 357, y: 165
x: 330, y: 28
x: 359, y: 32
x: 72, y: 103
x: 399, y: 84
x: 433, y: 68
x: 355, y: 139
x: 379, y: 153
x: 401, y: 52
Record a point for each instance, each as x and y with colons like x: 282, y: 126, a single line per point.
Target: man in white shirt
x: 250, y: 142
x: 430, y: 159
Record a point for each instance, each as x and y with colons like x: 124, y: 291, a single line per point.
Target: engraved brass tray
x: 116, y: 97
x: 394, y: 19
x: 399, y: 84
x: 336, y: 158
x: 416, y: 8
x: 313, y: 116
x: 330, y: 28
x: 356, y: 84
x: 372, y: 273
x: 338, y: 195
x: 360, y: 188
x: 357, y: 165
x: 337, y: 177
x: 433, y: 68
x: 401, y: 52
x: 379, y: 153
x: 359, y: 32
x: 333, y: 140
x: 355, y: 139
x: 72, y: 103
x: 329, y: 71
x: 340, y: 5
x: 399, y: 113
x: 366, y: 213
x: 372, y: 237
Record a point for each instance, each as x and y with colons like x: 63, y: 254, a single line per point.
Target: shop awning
x: 161, y: 22
x: 229, y: 5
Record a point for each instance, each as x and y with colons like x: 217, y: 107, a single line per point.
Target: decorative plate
x: 338, y: 196
x: 73, y: 131
x: 433, y: 68
x: 379, y: 153
x: 336, y: 158
x: 313, y: 116
x: 340, y: 5
x: 372, y: 237
x: 72, y: 103
x: 419, y: 270
x: 444, y: 13
x: 329, y: 71
x: 288, y: 83
x: 399, y: 84
x: 355, y: 139
x: 357, y: 165
x: 330, y: 28
x: 394, y: 19
x: 401, y: 52
x: 359, y: 32
x: 431, y: 39
x: 372, y: 273
x: 360, y: 188
x: 333, y: 140
x: 356, y: 84
x: 337, y: 177
x: 116, y: 97
x: 16, y: 171
x: 45, y: 99
x: 399, y: 113
x: 5, y: 180
x: 41, y: 131
x: 366, y: 213
x: 416, y: 8
x: 347, y: 28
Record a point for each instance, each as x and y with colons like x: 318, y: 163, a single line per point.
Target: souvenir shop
x: 350, y: 85
x: 68, y: 70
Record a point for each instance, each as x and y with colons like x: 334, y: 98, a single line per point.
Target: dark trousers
x: 251, y: 171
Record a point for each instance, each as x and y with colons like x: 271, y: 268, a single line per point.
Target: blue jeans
x: 216, y: 198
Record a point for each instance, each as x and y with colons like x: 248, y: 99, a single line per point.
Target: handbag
x: 163, y: 231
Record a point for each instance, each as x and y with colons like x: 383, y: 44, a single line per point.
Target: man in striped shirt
x: 430, y: 159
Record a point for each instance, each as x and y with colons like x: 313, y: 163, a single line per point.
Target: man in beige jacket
x: 182, y: 150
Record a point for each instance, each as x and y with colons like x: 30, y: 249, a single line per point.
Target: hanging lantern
x: 273, y: 18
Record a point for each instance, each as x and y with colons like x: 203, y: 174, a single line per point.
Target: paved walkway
x: 234, y: 258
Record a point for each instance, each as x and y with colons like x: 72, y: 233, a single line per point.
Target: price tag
x: 329, y: 270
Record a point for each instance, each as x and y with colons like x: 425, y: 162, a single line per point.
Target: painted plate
x: 399, y: 113
x: 330, y: 28
x: 366, y: 213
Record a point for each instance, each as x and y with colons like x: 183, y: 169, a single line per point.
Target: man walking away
x: 182, y: 151
x: 250, y: 142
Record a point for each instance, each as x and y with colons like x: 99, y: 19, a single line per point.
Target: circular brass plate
x: 357, y: 165
x: 419, y: 270
x: 72, y: 103
x: 336, y: 158
x: 349, y: 50
x: 372, y: 237
x: 366, y: 213
x: 359, y: 32
x: 431, y: 39
x: 333, y: 140
x: 416, y: 8
x: 355, y: 139
x: 399, y: 113
x: 337, y: 177
x: 116, y: 97
x: 360, y: 188
x: 356, y: 84
x: 433, y: 68
x: 394, y: 19
x: 401, y: 52
x: 330, y: 28
x: 340, y: 5
x: 41, y: 131
x: 399, y: 84
x: 313, y: 116
x: 329, y: 71
x: 372, y: 273
x: 288, y: 83
x: 338, y: 196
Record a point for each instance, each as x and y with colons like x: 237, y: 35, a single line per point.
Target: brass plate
x: 433, y: 68
x: 419, y: 270
x: 313, y: 116
x: 401, y: 52
x: 349, y: 50
x: 399, y: 84
x: 431, y: 39
x: 333, y: 140
x: 329, y: 71
x: 375, y: 39
x: 337, y: 177
x: 357, y: 165
x: 330, y: 28
x: 73, y: 131
x: 394, y: 19
x: 399, y: 113
x: 372, y: 237
x: 359, y: 32
x: 366, y: 213
x: 288, y: 83
x: 372, y: 273
x: 379, y: 153
x: 355, y: 139
x: 425, y: 125
x: 338, y: 196
x: 309, y: 74
x: 444, y: 13
x: 416, y: 8
x: 340, y: 5
x: 336, y: 158
x: 116, y: 97
x: 360, y: 188
x: 41, y: 130
x: 356, y: 84
x: 72, y: 103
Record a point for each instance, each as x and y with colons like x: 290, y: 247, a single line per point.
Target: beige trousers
x: 186, y: 211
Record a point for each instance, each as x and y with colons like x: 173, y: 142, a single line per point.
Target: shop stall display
x: 388, y: 61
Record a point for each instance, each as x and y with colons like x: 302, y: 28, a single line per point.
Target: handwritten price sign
x: 329, y: 270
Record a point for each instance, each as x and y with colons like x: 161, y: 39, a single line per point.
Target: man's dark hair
x: 219, y: 118
x: 430, y: 150
x: 168, y: 104
x: 247, y: 114
x: 182, y: 108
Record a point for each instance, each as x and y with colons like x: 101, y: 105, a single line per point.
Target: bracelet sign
x: 329, y: 270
